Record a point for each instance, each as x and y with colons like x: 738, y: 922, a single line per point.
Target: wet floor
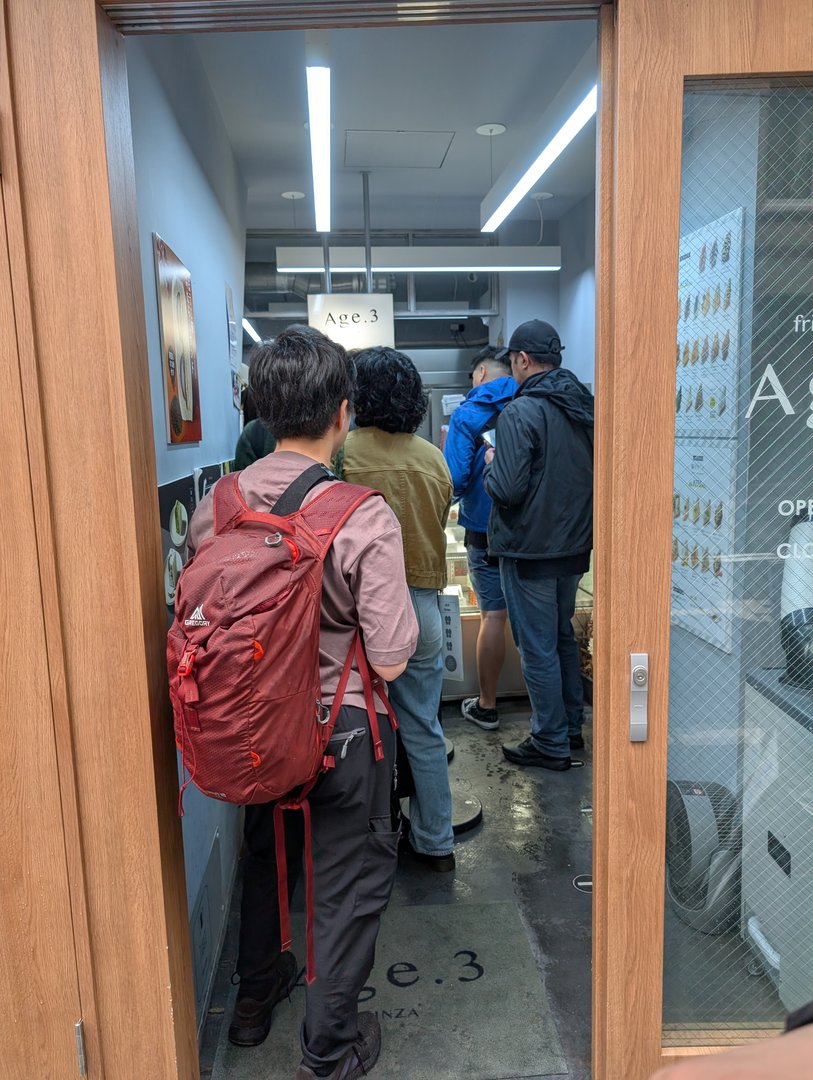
x: 515, y: 872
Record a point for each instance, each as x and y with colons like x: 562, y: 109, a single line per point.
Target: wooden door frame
x: 658, y: 46
x: 75, y: 247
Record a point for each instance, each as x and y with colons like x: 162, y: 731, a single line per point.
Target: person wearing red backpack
x: 303, y: 386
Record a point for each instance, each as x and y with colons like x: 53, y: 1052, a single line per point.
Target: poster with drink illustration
x: 178, y: 350
x: 708, y: 331
x: 176, y: 505
x: 703, y: 539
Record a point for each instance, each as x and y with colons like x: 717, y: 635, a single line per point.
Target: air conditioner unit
x: 703, y: 854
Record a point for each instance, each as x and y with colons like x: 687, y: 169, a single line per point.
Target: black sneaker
x: 359, y: 1059
x: 527, y: 754
x: 487, y: 719
x: 577, y: 742
x: 251, y: 1021
x: 443, y: 864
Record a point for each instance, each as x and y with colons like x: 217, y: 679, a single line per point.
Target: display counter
x: 511, y: 682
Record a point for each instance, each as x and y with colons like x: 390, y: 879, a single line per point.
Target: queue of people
x: 382, y: 576
x: 526, y: 503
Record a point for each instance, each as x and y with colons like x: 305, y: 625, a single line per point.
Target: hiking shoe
x: 577, y: 742
x: 527, y: 754
x: 443, y: 864
x: 359, y: 1059
x: 487, y: 719
x: 251, y: 1020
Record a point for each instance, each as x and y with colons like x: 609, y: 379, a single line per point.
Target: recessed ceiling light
x: 293, y: 194
x: 491, y: 129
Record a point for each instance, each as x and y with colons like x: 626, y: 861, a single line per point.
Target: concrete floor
x: 534, y: 840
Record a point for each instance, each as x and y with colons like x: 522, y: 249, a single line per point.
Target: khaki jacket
x: 414, y: 478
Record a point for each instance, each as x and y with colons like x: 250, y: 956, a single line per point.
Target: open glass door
x: 711, y: 534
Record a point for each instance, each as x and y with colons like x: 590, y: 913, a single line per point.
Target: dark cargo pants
x: 354, y: 861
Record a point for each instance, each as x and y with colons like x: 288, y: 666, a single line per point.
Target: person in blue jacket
x: 492, y: 389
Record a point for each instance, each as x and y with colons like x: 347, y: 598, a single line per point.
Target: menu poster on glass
x: 176, y: 504
x: 708, y: 330
x: 449, y: 602
x: 176, y: 323
x: 703, y: 538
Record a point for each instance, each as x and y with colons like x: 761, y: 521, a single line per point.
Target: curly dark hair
x: 298, y: 382
x: 389, y: 391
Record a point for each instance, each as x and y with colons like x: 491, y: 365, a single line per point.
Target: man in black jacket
x: 541, y: 527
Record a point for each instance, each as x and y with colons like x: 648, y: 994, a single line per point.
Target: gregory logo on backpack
x: 197, y: 618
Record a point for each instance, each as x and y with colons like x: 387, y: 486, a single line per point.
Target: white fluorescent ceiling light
x: 560, y: 141
x: 489, y: 259
x: 252, y: 333
x: 318, y: 76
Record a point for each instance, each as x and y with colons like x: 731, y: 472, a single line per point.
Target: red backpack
x: 243, y: 656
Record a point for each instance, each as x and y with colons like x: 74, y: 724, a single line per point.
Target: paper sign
x: 452, y: 634
x: 450, y: 402
x: 357, y: 321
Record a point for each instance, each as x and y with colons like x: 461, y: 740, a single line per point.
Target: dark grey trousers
x: 354, y: 859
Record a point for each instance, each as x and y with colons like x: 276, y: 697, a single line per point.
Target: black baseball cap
x: 536, y: 337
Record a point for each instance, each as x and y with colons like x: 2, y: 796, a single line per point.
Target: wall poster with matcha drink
x: 176, y: 504
x: 179, y: 356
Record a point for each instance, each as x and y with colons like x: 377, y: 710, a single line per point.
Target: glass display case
x: 511, y: 681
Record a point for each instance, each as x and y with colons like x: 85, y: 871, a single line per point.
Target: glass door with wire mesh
x: 738, y: 950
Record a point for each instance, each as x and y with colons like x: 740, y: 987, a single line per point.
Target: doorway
x: 222, y: 165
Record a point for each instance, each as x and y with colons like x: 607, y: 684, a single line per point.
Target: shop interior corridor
x: 484, y: 973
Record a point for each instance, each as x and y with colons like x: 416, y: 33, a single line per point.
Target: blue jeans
x: 541, y: 610
x: 415, y: 697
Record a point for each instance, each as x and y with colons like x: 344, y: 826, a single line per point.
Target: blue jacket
x: 465, y: 450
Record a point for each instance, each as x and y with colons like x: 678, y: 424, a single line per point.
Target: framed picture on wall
x: 176, y: 323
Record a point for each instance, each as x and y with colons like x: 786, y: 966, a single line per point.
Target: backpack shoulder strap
x: 291, y: 499
x: 227, y: 502
x: 328, y: 512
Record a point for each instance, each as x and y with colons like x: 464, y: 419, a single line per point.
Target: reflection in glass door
x: 739, y: 847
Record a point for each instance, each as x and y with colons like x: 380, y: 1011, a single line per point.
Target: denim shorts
x: 486, y: 580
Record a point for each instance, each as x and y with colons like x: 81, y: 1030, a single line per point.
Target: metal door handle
x: 639, y: 696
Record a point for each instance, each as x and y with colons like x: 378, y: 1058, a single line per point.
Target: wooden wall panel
x: 38, y: 977
x: 95, y: 453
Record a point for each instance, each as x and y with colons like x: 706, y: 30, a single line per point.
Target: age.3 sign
x: 357, y: 321
x: 404, y: 975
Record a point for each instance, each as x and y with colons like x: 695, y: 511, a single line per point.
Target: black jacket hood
x: 562, y: 388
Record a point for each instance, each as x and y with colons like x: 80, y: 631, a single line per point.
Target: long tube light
x: 422, y: 260
x: 319, y: 127
x: 562, y: 139
x: 252, y: 333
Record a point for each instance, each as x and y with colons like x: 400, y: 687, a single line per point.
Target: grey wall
x: 190, y: 191
x: 577, y: 288
x: 523, y: 297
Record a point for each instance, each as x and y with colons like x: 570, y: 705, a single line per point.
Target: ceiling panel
x: 396, y: 149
